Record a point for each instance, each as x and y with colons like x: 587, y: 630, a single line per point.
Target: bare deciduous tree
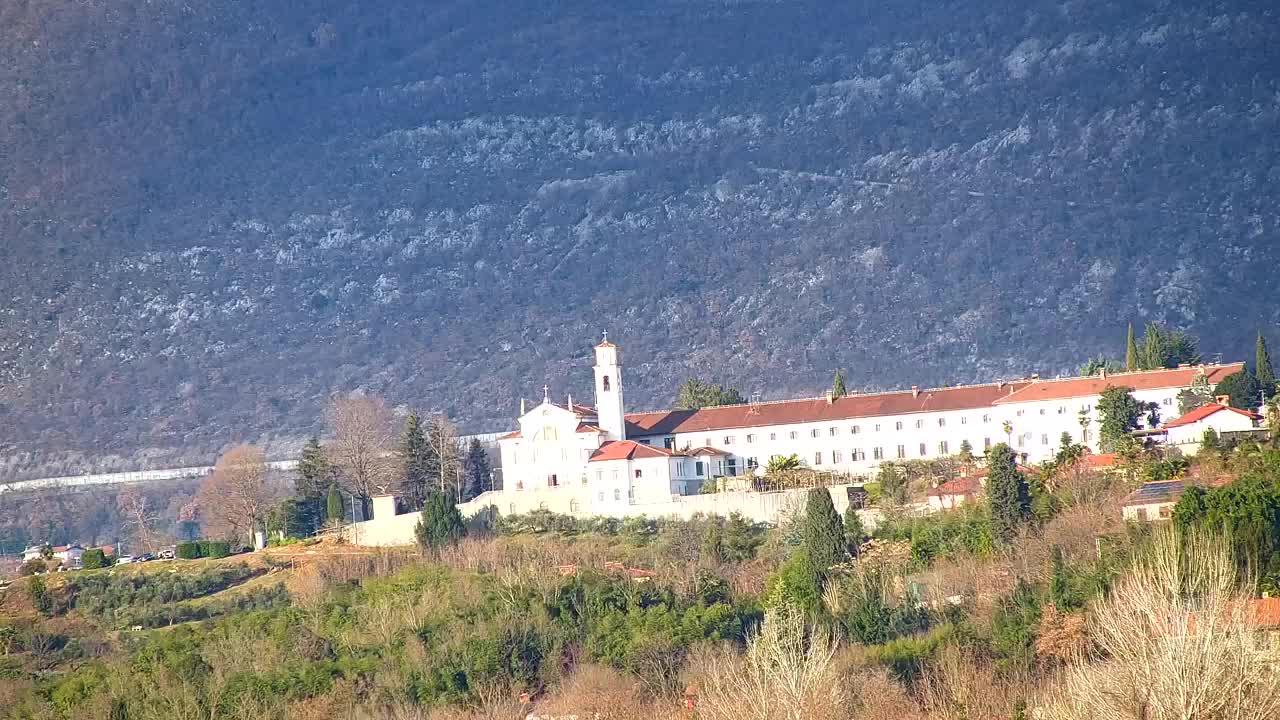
x: 235, y: 497
x: 138, y: 519
x: 362, y: 445
x: 445, y: 455
x: 1175, y: 640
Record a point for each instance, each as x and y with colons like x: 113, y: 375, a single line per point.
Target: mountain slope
x: 217, y: 215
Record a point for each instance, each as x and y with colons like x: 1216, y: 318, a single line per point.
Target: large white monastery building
x: 574, y: 458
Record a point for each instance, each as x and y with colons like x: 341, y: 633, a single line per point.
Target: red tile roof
x: 510, y: 436
x: 1102, y: 460
x: 584, y: 427
x: 1142, y: 380
x: 968, y: 397
x: 1205, y: 411
x: 627, y: 450
x: 957, y: 486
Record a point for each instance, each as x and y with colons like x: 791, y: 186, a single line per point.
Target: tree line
x: 366, y: 452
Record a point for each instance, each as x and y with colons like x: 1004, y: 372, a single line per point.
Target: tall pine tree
x: 333, y: 504
x: 823, y: 531
x: 1262, y: 369
x: 315, y: 475
x: 475, y: 471
x: 415, y: 455
x: 837, y: 385
x: 1008, y: 493
x: 1131, y: 352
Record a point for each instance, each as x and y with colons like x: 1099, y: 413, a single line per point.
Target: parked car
x: 125, y: 560
x: 166, y: 554
x: 145, y: 557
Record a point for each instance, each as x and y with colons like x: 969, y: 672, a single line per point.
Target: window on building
x: 751, y: 439
x: 855, y: 430
x: 877, y: 453
x: 942, y: 422
x: 1042, y: 411
x: 1166, y: 402
x: 583, y: 480
x: 919, y: 424
x: 1062, y: 410
x: 752, y: 463
x: 631, y: 494
x: 1044, y: 438
x: 964, y: 420
x: 833, y: 431
x: 924, y: 450
x: 706, y: 442
x: 794, y: 434
x: 773, y: 436
x: 638, y: 473
x: 549, y: 432
x: 1142, y: 514
x: 942, y: 448
x: 599, y: 476
x: 986, y: 418
x: 877, y: 427
x: 604, y: 383
x: 511, y: 509
x: 1022, y: 439
x: 719, y: 467
x: 617, y: 495
x: 575, y: 506
x: 564, y: 454
x: 836, y: 457
x: 1020, y: 413
x: 728, y: 439
x: 902, y: 452
x: 1084, y: 435
x: 897, y: 425
x: 600, y: 496
x: 552, y: 481
x: 1164, y: 512
x: 731, y: 466
x: 698, y: 468
x: 519, y: 484
x: 815, y: 433
x: 986, y: 443
x: 668, y: 443
x: 858, y: 455
x: 615, y: 476
x: 817, y: 458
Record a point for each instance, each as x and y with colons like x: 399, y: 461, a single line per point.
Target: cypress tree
x: 837, y: 384
x: 1152, y: 348
x: 313, y: 470
x: 823, y: 531
x: 333, y: 504
x: 1262, y: 367
x: 1131, y: 352
x: 1008, y: 494
x: 475, y: 470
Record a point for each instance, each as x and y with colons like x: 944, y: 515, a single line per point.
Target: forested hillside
x: 213, y: 215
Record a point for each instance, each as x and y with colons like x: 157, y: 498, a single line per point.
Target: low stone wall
x: 765, y: 507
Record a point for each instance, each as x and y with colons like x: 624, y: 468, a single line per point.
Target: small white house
x: 34, y: 552
x: 1187, y: 432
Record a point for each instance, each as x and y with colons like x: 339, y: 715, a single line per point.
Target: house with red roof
x: 1187, y: 431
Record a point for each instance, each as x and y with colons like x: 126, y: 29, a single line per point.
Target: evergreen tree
x: 1008, y: 494
x: 855, y: 533
x: 416, y: 457
x: 823, y: 531
x: 441, y: 523
x: 475, y: 471
x: 333, y: 504
x: 1198, y: 394
x: 837, y: 385
x: 695, y: 393
x: 1118, y: 414
x: 966, y: 452
x: 1241, y: 387
x: 1262, y: 369
x: 1152, y: 355
x: 1131, y: 352
x: 315, y: 475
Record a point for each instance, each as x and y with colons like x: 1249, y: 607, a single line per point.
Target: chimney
x: 1103, y: 372
x: 831, y: 397
x: 570, y: 405
x: 915, y: 391
x: 1224, y: 400
x: 522, y: 410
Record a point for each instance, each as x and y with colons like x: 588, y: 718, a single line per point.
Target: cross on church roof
x: 546, y: 394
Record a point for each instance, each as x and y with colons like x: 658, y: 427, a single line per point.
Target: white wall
x: 1188, y: 437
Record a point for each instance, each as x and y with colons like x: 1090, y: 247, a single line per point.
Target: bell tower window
x: 604, y: 383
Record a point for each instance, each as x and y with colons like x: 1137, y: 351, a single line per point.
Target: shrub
x: 215, y: 548
x: 31, y: 567
x: 41, y: 598
x: 187, y: 550
x: 93, y: 559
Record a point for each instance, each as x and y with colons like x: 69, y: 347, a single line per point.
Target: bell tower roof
x: 605, y: 342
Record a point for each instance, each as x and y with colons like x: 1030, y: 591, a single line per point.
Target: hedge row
x: 202, y: 549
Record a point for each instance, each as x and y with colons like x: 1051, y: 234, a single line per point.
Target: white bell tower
x: 609, y: 408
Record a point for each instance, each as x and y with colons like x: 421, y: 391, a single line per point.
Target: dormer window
x: 604, y: 383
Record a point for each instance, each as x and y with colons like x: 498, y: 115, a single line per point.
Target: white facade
x: 574, y: 458
x: 1187, y: 432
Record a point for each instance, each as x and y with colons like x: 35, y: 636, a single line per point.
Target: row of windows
x: 944, y: 448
